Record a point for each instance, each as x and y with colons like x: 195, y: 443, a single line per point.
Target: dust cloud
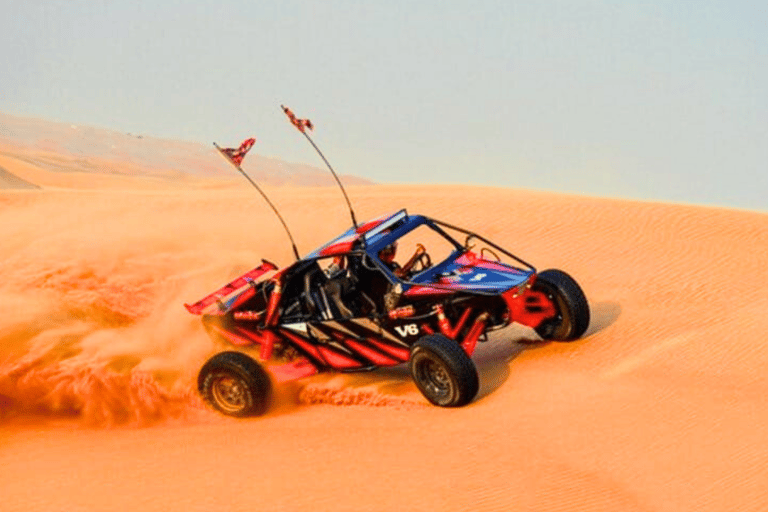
x: 92, y: 292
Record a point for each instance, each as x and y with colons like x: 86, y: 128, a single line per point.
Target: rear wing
x: 231, y: 290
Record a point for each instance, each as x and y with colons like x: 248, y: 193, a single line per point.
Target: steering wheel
x: 419, y: 256
x: 424, y: 260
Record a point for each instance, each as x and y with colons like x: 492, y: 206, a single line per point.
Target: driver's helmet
x: 387, y: 254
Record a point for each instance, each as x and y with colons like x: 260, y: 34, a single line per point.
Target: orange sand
x: 660, y: 408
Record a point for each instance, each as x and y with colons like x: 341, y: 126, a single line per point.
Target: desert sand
x: 661, y: 407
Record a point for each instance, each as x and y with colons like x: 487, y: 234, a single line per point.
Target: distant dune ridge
x: 61, y: 147
x: 11, y: 181
x: 660, y: 408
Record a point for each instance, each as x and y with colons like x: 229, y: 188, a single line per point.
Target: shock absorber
x: 445, y: 324
x: 470, y: 340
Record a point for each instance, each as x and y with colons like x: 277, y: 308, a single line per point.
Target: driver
x: 387, y: 256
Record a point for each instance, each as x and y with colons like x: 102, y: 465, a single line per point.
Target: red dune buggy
x: 352, y: 305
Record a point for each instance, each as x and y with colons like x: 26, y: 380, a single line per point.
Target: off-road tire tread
x: 456, y: 360
x: 252, y: 373
x: 573, y: 297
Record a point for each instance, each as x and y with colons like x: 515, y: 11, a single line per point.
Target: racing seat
x: 335, y: 289
x: 323, y: 296
x: 373, y: 286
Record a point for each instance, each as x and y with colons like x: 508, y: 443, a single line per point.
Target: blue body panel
x: 480, y: 276
x: 460, y: 271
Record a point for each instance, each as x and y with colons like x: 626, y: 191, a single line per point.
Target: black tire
x: 443, y: 372
x: 572, y: 317
x: 235, y: 385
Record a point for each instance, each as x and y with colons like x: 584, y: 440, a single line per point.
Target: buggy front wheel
x: 443, y: 372
x: 572, y: 309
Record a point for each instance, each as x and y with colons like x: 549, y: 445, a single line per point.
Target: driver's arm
x: 396, y: 268
x: 420, y: 250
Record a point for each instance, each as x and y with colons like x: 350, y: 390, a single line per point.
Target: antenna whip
x: 302, y: 125
x: 235, y: 157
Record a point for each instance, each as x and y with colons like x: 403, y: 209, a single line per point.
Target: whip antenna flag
x: 303, y: 125
x: 235, y: 156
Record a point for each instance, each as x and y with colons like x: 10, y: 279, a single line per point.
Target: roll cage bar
x: 393, y: 228
x: 471, y: 234
x: 371, y: 250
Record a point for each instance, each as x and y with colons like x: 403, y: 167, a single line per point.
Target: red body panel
x: 402, y: 354
x: 294, y: 370
x: 530, y: 308
x: 340, y: 247
x: 234, y: 287
x: 417, y: 291
x: 372, y: 355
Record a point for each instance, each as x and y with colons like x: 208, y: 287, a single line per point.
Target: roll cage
x: 360, y: 249
x: 401, y: 224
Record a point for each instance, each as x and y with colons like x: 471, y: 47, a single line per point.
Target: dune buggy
x: 353, y: 305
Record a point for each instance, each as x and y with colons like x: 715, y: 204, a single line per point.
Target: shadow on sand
x: 492, y: 358
x: 604, y: 314
x: 394, y: 386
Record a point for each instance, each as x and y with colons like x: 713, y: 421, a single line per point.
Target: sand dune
x: 11, y: 181
x: 61, y: 148
x: 660, y: 408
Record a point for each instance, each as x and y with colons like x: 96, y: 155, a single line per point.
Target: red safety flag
x: 300, y: 124
x: 237, y: 155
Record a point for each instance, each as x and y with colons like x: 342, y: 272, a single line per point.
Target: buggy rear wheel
x: 572, y: 318
x: 235, y: 385
x: 443, y: 372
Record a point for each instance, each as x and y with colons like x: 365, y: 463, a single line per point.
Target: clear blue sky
x: 656, y: 99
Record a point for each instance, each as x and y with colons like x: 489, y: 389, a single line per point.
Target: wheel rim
x: 229, y: 393
x: 558, y: 326
x: 562, y: 319
x: 434, y: 379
